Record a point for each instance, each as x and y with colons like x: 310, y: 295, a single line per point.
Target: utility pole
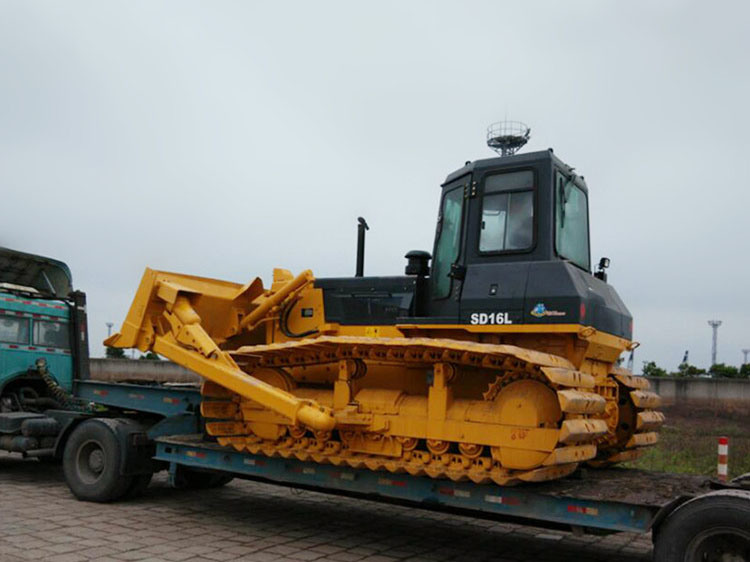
x: 744, y: 353
x: 715, y: 327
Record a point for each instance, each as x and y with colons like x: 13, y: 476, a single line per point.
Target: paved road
x: 40, y: 520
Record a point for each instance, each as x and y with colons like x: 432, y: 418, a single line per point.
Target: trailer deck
x: 608, y: 500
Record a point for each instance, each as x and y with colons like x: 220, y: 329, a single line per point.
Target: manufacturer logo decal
x: 540, y: 311
x: 496, y: 318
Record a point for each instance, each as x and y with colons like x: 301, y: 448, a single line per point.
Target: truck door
x: 446, y: 276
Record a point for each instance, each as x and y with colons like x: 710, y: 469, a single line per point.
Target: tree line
x: 719, y: 370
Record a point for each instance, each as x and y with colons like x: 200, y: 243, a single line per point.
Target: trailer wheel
x: 91, y: 463
x: 714, y: 527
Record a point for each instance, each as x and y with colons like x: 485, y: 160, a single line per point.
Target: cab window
x: 14, y: 330
x: 507, y: 212
x: 448, y: 242
x: 51, y: 334
x: 572, y: 222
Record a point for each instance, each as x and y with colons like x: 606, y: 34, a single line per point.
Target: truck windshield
x: 572, y: 222
x: 448, y: 242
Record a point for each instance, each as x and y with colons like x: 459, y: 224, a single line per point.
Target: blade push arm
x: 169, y: 316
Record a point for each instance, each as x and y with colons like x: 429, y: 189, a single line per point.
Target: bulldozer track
x: 637, y: 421
x: 578, y: 427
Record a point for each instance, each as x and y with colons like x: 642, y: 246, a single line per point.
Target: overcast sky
x: 226, y: 138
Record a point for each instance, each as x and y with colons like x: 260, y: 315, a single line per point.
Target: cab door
x: 448, y: 267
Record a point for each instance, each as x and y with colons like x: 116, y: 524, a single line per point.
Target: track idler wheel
x: 526, y: 404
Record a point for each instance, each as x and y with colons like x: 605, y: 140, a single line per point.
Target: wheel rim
x: 721, y: 544
x: 90, y: 461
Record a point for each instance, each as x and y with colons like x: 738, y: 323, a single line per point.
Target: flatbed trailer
x: 159, y: 427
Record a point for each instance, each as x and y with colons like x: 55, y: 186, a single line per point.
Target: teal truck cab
x: 43, y: 345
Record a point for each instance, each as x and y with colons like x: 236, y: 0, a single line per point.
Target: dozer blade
x: 185, y: 318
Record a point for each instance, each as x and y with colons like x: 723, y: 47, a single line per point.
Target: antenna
x: 507, y: 137
x: 715, y: 327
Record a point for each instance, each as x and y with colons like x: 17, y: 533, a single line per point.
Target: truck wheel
x: 91, y: 463
x: 714, y: 527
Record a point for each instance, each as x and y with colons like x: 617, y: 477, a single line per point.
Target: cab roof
x: 48, y: 276
x: 506, y: 161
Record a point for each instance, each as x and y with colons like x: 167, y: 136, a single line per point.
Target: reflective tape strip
x: 389, y: 482
x: 33, y: 303
x: 254, y: 462
x: 342, y: 475
x: 195, y: 454
x: 302, y: 470
x: 453, y: 492
x: 722, y: 467
x: 583, y: 510
x: 502, y: 500
x: 27, y: 347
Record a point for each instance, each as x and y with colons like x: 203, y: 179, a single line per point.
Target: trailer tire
x: 714, y: 526
x: 91, y: 463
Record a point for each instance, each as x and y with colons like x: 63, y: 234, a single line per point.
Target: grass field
x: 689, y: 438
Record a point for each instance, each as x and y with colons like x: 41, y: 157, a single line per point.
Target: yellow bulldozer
x: 494, y: 359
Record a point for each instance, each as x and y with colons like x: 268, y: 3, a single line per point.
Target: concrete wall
x: 139, y: 370
x: 702, y: 391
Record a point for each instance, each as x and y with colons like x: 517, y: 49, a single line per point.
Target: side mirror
x: 600, y: 270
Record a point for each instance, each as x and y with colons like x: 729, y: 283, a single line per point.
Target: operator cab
x: 512, y: 247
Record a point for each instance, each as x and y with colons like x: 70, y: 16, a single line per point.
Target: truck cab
x: 42, y: 327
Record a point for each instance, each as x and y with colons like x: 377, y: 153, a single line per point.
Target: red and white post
x: 723, y: 466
